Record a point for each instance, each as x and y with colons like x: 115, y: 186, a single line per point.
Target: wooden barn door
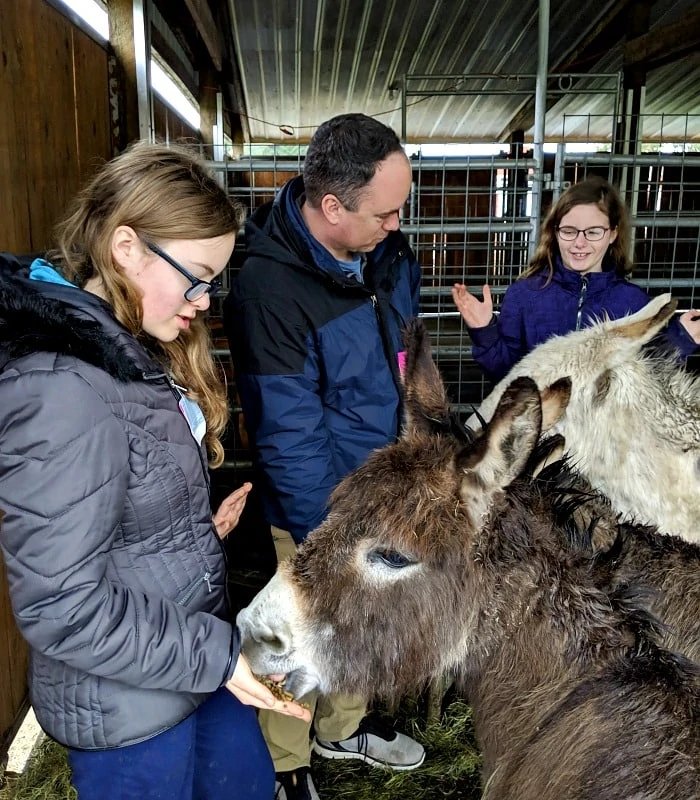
x: 13, y: 668
x: 54, y: 130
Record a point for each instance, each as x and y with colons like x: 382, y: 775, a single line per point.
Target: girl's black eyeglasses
x: 594, y: 234
x: 199, y: 287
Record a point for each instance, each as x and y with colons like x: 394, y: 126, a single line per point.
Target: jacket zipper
x: 163, y: 376
x: 387, y: 345
x: 204, y: 579
x: 581, y: 300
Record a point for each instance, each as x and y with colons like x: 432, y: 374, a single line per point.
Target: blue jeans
x: 217, y: 753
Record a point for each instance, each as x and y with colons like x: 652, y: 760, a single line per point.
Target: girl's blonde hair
x: 594, y: 190
x: 162, y: 193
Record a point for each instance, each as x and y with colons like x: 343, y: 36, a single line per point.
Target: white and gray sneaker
x: 296, y: 784
x: 377, y: 744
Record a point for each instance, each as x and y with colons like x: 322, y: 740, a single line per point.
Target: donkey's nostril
x: 273, y: 643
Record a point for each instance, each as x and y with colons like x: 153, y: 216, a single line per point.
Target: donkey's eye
x: 392, y: 558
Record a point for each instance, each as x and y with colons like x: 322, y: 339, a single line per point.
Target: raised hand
x: 691, y: 322
x: 476, y: 313
x: 230, y: 510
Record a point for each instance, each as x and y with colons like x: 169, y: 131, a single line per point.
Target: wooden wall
x: 54, y: 119
x: 168, y: 127
x: 54, y: 128
x: 13, y: 670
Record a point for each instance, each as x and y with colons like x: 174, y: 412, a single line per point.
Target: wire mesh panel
x: 468, y: 221
x: 660, y: 183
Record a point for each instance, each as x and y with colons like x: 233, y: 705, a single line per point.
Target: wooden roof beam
x: 665, y: 45
x: 208, y: 30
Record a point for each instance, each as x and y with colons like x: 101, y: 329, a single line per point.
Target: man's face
x: 377, y: 212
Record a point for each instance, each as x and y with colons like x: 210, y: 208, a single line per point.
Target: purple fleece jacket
x: 531, y: 312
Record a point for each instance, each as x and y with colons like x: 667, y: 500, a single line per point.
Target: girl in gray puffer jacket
x: 109, y: 404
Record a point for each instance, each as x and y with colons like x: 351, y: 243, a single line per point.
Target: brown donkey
x: 442, y: 554
x: 626, y: 552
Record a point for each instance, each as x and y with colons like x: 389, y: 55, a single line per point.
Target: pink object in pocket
x: 401, y: 358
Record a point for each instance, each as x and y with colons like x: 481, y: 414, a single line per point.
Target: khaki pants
x: 334, y: 717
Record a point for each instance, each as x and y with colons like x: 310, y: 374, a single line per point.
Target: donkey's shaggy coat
x: 627, y: 553
x: 632, y: 425
x: 442, y: 554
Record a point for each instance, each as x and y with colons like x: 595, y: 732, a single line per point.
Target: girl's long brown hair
x: 594, y: 190
x: 162, y: 193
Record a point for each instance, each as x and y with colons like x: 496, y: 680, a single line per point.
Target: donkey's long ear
x: 647, y: 322
x: 500, y: 455
x: 426, y: 405
x: 555, y: 399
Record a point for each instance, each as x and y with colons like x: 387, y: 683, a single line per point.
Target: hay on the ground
x: 46, y: 776
x: 450, y: 770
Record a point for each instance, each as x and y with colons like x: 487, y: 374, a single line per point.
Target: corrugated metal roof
x: 303, y: 61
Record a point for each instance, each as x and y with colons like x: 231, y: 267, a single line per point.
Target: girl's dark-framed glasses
x: 594, y: 234
x: 199, y: 287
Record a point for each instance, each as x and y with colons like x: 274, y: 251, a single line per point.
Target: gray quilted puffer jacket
x: 116, y: 574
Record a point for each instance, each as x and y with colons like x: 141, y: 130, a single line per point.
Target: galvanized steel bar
x: 429, y: 162
x: 540, y: 112
x: 642, y: 160
x: 142, y: 50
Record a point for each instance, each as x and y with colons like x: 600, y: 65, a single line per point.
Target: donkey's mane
x: 567, y: 492
x: 450, y: 424
x: 549, y: 499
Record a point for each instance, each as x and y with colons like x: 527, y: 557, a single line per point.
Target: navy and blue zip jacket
x: 532, y: 311
x: 316, y: 354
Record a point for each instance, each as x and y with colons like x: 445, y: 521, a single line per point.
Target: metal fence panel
x: 468, y: 220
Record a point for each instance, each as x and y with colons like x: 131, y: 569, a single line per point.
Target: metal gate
x: 469, y: 220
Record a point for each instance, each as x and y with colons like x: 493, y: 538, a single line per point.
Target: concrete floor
x: 27, y: 738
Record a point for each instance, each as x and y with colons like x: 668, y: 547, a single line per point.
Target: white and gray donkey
x: 632, y: 425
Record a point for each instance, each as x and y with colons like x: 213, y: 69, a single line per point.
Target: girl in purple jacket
x: 577, y: 276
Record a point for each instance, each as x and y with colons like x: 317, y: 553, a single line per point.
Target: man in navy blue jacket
x: 314, y: 321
